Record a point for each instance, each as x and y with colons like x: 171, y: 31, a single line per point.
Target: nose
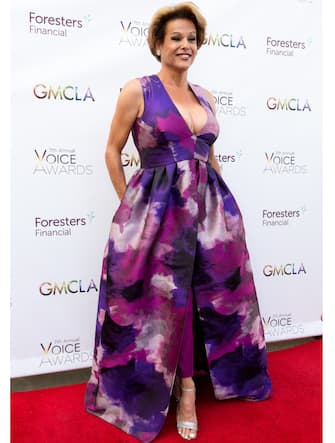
x: 185, y: 43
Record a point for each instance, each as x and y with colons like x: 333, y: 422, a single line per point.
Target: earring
x: 158, y: 53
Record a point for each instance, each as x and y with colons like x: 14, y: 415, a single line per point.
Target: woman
x: 176, y: 247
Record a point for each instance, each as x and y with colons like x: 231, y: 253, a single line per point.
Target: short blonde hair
x: 186, y: 10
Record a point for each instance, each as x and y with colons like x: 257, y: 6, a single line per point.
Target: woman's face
x: 179, y: 47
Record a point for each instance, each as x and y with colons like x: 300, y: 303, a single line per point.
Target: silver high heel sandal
x: 190, y: 425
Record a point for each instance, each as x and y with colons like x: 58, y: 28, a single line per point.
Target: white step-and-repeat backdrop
x: 261, y: 61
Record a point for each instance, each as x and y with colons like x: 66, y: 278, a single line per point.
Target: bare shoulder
x: 132, y: 90
x: 131, y: 97
x: 132, y: 86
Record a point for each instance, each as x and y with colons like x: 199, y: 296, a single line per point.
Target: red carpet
x: 292, y: 415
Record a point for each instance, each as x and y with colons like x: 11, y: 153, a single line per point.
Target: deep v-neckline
x: 196, y: 134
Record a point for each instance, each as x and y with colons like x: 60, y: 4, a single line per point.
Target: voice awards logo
x: 281, y: 217
x: 226, y: 104
x: 63, y: 352
x: 134, y: 33
x: 288, y: 104
x: 286, y: 48
x: 225, y: 40
x: 276, y: 325
x: 56, y: 26
x: 60, y: 162
x: 77, y: 287
x: 283, y: 163
x: 284, y: 270
x: 67, y: 93
x: 61, y: 227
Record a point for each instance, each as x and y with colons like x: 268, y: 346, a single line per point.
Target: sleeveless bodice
x: 161, y: 134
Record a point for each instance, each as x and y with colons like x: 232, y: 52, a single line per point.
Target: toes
x: 187, y: 434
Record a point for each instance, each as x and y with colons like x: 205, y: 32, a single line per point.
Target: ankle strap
x: 188, y: 389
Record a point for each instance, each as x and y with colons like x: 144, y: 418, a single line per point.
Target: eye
x: 175, y: 38
x: 192, y: 39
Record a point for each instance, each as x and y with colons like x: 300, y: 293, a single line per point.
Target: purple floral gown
x: 178, y: 231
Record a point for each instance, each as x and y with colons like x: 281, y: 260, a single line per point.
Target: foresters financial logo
x: 68, y: 93
x: 225, y: 40
x: 276, y: 325
x: 63, y: 352
x: 60, y: 226
x: 229, y: 158
x: 66, y: 288
x: 59, y: 161
x: 284, y: 270
x: 56, y: 26
x: 283, y: 163
x: 281, y: 217
x: 227, y: 104
x: 286, y: 48
x: 133, y: 33
x: 288, y: 104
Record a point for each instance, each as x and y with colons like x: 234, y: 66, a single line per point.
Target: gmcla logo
x: 130, y: 160
x: 67, y: 93
x: 288, y: 104
x: 225, y: 40
x: 67, y: 287
x: 282, y: 270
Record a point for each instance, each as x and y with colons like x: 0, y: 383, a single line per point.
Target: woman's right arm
x: 129, y: 106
